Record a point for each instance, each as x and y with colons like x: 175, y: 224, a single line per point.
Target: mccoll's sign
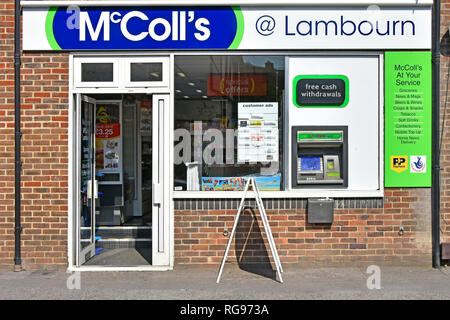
x: 191, y: 28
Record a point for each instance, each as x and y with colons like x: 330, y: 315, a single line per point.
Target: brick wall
x: 445, y: 153
x: 361, y: 234
x: 44, y: 105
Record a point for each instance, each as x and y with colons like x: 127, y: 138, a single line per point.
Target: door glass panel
x: 86, y: 210
x: 107, y: 142
x: 97, y: 72
x: 129, y: 147
x: 145, y: 128
x: 144, y: 72
x: 108, y: 162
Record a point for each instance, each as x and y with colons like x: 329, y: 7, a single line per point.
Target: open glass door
x: 121, y: 164
x: 87, y: 184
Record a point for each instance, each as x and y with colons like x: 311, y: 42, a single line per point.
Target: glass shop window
x: 145, y: 72
x: 228, y: 122
x: 97, y: 72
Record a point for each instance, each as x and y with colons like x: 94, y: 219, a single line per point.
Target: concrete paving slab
x: 198, y: 283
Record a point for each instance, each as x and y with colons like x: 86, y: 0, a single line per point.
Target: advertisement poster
x: 264, y: 183
x: 257, y: 132
x: 107, y: 146
x: 408, y: 119
x: 107, y: 138
x: 237, y: 85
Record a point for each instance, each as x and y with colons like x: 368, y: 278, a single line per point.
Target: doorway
x: 122, y: 209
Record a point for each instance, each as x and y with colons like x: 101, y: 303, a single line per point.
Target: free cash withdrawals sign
x: 408, y: 119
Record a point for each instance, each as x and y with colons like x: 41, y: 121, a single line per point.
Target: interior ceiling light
x: 198, y: 90
x: 186, y: 97
x: 178, y: 90
x: 181, y: 74
x: 155, y: 74
x: 204, y: 97
x: 191, y: 84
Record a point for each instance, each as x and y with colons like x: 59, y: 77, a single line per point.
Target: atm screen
x: 310, y: 163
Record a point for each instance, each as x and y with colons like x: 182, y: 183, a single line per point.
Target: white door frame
x: 163, y: 259
x: 161, y: 179
x: 89, y: 251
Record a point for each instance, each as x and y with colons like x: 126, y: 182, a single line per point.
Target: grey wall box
x: 320, y: 210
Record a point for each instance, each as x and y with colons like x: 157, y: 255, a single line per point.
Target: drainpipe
x: 17, y: 137
x: 435, y: 180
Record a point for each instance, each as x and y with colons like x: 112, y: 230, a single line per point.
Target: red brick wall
x: 44, y: 105
x: 357, y: 236
x: 445, y: 153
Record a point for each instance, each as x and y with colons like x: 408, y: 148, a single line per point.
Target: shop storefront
x: 171, y: 108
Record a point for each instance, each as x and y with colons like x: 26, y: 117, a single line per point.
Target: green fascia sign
x: 408, y: 119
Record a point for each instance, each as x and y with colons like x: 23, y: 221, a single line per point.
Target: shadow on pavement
x: 250, y: 246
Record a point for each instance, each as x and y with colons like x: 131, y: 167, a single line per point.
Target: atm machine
x: 320, y: 157
x: 320, y: 160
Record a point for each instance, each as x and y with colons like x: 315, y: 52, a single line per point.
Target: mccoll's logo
x: 142, y: 28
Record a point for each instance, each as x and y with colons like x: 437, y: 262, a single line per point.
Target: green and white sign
x: 109, y: 27
x: 408, y: 119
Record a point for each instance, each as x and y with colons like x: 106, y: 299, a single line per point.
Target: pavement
x: 199, y: 283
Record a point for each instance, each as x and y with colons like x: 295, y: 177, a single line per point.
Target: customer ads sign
x: 257, y: 132
x: 225, y: 28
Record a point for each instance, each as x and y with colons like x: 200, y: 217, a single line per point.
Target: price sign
x: 108, y: 131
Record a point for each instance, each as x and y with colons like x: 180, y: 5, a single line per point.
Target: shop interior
x: 123, y: 170
x: 236, y: 103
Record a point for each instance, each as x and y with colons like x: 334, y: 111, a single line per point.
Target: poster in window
x: 257, y: 132
x: 108, y: 138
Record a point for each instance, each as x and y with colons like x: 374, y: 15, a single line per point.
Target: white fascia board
x: 256, y: 3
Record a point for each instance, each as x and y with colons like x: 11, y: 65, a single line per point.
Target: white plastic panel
x: 361, y: 115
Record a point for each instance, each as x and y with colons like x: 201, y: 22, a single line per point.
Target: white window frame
x: 96, y: 84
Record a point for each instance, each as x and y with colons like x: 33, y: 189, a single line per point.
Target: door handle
x: 157, y: 193
x: 89, y: 189
x: 96, y: 189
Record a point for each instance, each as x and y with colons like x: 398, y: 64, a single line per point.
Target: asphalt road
x: 198, y: 283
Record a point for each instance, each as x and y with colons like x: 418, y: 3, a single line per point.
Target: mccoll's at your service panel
x: 172, y: 105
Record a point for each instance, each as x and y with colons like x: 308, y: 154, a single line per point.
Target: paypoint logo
x: 399, y: 163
